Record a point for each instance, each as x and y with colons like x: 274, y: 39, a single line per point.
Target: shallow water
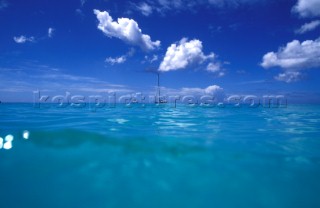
x: 161, y: 157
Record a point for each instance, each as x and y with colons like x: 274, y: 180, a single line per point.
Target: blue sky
x: 257, y: 47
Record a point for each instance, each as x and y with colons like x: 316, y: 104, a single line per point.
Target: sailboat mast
x: 158, y: 87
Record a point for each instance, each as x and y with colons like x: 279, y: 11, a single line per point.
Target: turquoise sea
x: 164, y: 157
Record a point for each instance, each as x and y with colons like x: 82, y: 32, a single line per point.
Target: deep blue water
x: 161, y: 157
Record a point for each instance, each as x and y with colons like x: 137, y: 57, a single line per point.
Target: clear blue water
x: 161, y: 157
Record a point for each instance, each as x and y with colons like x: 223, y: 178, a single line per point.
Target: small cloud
x: 151, y: 59
x: 213, y: 67
x: 289, y: 77
x: 215, y: 29
x: 144, y: 8
x: 163, y: 7
x: 23, y: 39
x: 3, y: 4
x: 308, y: 27
x: 126, y: 30
x: 307, y: 8
x: 241, y: 72
x: 213, y: 89
x: 79, y: 12
x: 82, y: 2
x: 154, y: 58
x: 118, y: 60
x: 131, y: 52
x: 216, y: 68
x: 50, y: 32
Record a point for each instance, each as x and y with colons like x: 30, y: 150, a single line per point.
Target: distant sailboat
x: 158, y: 99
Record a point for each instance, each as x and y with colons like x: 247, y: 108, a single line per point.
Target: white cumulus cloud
x: 295, y: 55
x: 180, y: 56
x: 307, y: 8
x: 186, y: 53
x: 23, y: 39
x: 125, y: 29
x: 293, y: 58
x: 308, y: 27
x: 213, y: 89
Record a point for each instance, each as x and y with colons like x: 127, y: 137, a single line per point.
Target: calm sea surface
x: 160, y: 157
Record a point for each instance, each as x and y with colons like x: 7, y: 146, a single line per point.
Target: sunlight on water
x: 1, y: 142
x: 119, y: 120
x: 25, y: 134
x: 8, y: 142
x: 184, y: 157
